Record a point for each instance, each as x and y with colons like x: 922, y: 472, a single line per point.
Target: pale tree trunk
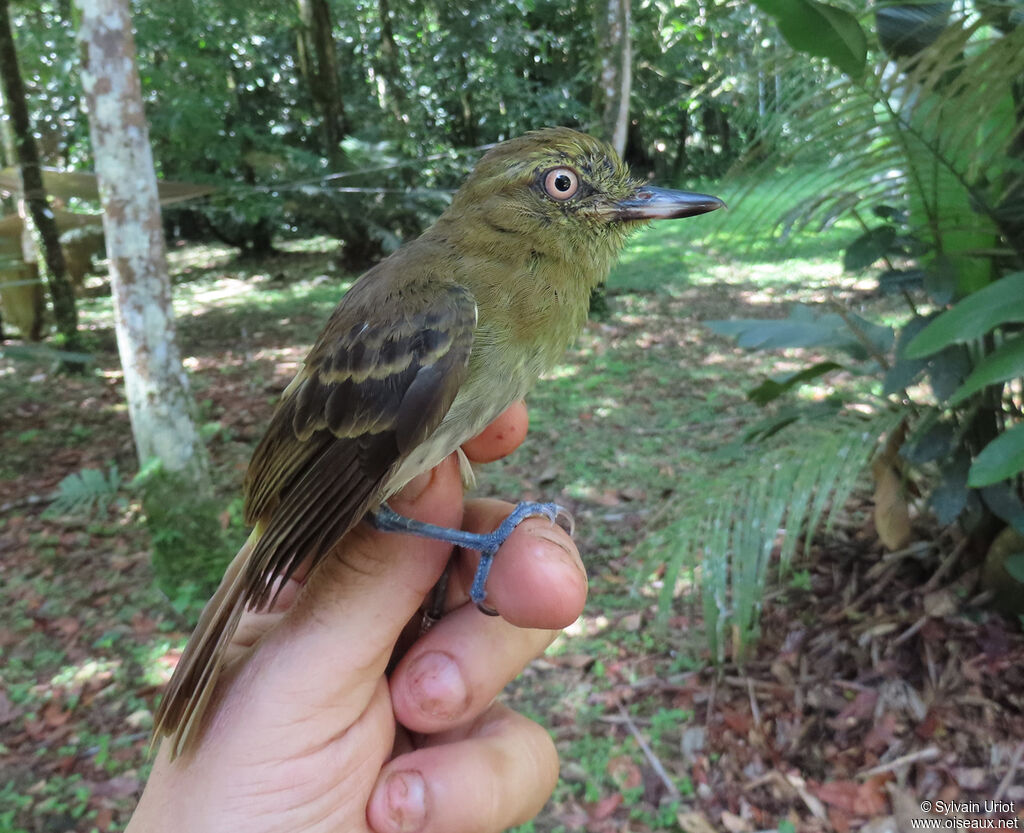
x: 159, y: 401
x: 614, y: 71
x: 39, y: 213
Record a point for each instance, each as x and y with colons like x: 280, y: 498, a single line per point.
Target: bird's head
x: 558, y: 188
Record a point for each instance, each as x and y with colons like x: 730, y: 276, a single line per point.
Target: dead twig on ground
x: 652, y: 759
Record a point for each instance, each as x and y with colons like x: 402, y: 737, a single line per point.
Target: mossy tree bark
x: 62, y: 296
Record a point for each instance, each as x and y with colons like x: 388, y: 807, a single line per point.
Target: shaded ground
x: 872, y: 690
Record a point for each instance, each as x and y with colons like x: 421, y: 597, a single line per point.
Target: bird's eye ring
x: 561, y: 183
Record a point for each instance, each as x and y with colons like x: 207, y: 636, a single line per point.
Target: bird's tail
x: 192, y: 685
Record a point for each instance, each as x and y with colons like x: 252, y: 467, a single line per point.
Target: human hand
x: 312, y: 733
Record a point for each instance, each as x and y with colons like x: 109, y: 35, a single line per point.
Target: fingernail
x: 405, y: 797
x: 546, y: 534
x: 438, y: 687
x: 570, y: 558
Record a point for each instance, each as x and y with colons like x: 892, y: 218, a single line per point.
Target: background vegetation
x: 793, y: 440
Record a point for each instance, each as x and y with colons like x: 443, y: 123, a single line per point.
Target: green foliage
x: 191, y: 545
x: 743, y: 532
x: 929, y: 141
x: 43, y: 354
x: 973, y: 317
x: 820, y: 29
x: 86, y: 492
x: 808, y: 327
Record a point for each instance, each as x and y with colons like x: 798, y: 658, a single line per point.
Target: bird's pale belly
x: 476, y: 405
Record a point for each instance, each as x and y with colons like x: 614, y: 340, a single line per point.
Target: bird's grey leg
x: 487, y: 544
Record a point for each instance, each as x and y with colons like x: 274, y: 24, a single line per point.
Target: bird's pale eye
x: 561, y: 183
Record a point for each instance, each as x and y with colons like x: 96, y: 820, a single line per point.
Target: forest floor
x: 879, y: 683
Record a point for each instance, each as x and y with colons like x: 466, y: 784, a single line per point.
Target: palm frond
x: 744, y: 532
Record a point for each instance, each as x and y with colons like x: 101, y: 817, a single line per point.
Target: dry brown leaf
x: 866, y: 799
x: 892, y: 514
x: 631, y: 622
x: 940, y: 603
x: 604, y: 808
x: 55, y: 715
x: 735, y: 824
x: 624, y: 772
x: 693, y: 822
x: 739, y: 722
x: 8, y: 711
x: 67, y: 625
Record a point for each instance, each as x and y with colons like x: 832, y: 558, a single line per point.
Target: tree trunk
x: 159, y: 401
x: 391, y: 93
x: 319, y: 67
x: 614, y: 71
x: 39, y: 212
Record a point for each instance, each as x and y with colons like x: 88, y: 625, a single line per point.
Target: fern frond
x: 85, y: 492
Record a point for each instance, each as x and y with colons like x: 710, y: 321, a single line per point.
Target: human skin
x: 315, y: 733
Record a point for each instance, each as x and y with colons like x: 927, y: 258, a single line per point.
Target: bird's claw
x: 491, y: 543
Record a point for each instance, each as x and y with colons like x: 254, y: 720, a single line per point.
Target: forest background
x: 791, y: 434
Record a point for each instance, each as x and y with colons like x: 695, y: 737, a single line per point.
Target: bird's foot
x: 487, y: 544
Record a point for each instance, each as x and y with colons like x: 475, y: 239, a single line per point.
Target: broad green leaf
x: 905, y: 30
x: 1014, y: 565
x: 1000, y: 459
x: 1005, y: 504
x: 971, y: 318
x: 934, y: 443
x: 820, y: 29
x: 947, y: 371
x: 869, y: 247
x: 771, y: 389
x: 1005, y: 362
x: 805, y: 327
x: 900, y: 280
x: 949, y: 498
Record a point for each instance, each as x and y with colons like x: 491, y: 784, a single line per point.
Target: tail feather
x: 192, y: 685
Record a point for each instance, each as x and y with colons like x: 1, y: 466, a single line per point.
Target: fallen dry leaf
x: 892, y: 514
x: 605, y: 807
x: 693, y: 822
x: 624, y: 772
x: 735, y: 824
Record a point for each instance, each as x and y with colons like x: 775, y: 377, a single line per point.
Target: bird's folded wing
x: 374, y: 386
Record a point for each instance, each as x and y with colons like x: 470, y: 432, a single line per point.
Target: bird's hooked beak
x: 649, y: 203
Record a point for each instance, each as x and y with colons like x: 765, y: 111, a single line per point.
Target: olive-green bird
x: 422, y: 353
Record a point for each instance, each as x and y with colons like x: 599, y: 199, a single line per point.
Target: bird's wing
x: 373, y: 388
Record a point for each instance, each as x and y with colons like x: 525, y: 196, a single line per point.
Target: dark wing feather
x: 374, y: 386
x: 372, y: 389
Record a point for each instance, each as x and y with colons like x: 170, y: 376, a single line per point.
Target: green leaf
x: 1014, y: 565
x: 1002, y: 500
x: 1005, y: 362
x: 947, y: 371
x: 940, y: 280
x: 820, y: 29
x: 1000, y: 459
x: 900, y: 280
x: 869, y: 247
x: 906, y: 30
x: 971, y: 318
x: 771, y: 389
x: 805, y: 327
x: 949, y: 498
x: 934, y: 443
